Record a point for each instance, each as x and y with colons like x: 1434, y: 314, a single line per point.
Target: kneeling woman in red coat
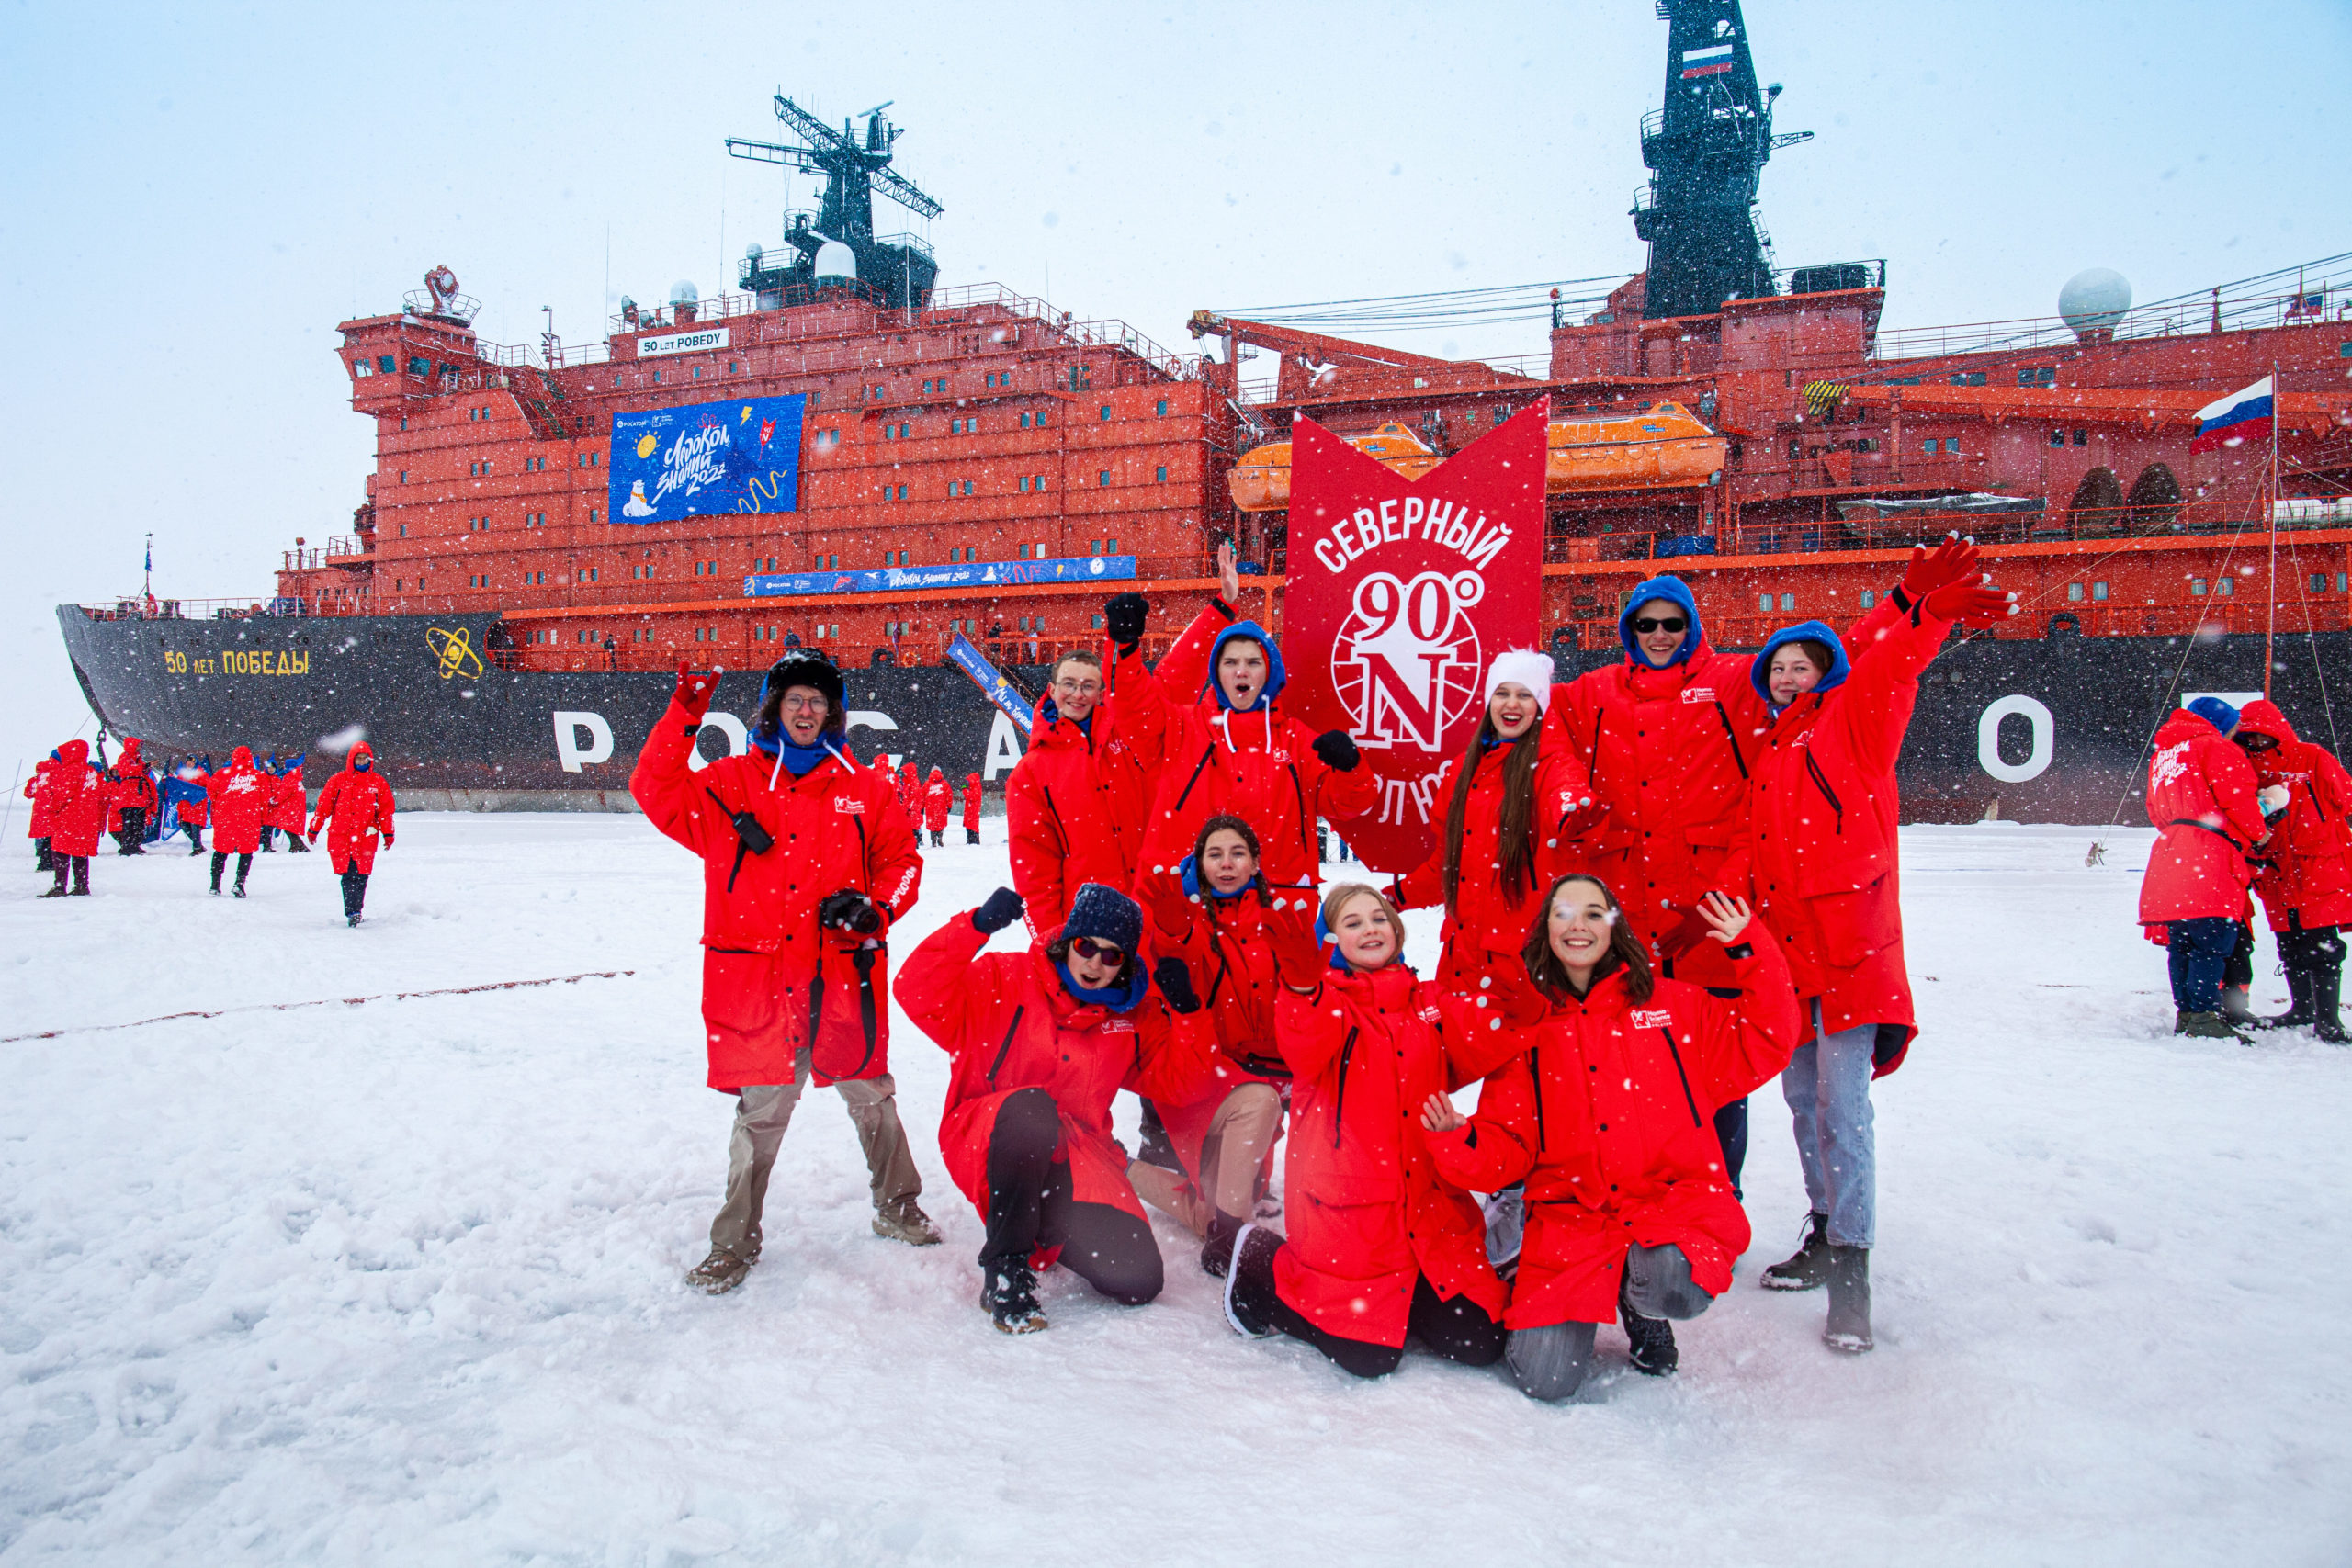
x: 1041, y: 1041
x: 1380, y: 1243
x: 1609, y: 1119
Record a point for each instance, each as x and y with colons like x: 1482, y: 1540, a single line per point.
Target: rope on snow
x: 329, y: 1002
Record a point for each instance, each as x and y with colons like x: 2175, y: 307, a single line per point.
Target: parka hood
x: 2263, y: 717
x: 1804, y: 631
x: 1275, y: 676
x: 1674, y: 590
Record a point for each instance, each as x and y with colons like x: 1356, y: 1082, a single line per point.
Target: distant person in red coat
x: 936, y: 800
x: 2202, y: 798
x: 240, y: 795
x: 971, y: 809
x: 2304, y: 875
x: 355, y: 806
x: 288, y: 801
x: 76, y: 817
x: 909, y: 790
x: 37, y: 791
x: 130, y: 798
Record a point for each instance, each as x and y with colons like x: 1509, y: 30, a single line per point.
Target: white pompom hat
x: 1527, y: 667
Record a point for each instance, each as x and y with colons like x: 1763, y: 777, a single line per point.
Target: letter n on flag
x: 1398, y: 594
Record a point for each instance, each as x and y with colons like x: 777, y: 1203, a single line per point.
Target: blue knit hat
x: 2216, y: 711
x: 1107, y: 915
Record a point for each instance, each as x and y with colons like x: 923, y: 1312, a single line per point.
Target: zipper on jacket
x: 1340, y: 1101
x: 1687, y: 1097
x: 1061, y: 833
x: 1204, y: 763
x: 1305, y: 829
x: 1822, y: 784
x: 1535, y: 1070
x: 1733, y: 736
x: 997, y: 1065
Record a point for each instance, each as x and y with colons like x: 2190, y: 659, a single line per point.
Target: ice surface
x: 399, y: 1282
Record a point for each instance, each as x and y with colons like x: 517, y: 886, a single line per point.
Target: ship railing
x: 346, y: 545
x: 2314, y: 293
x: 1008, y: 652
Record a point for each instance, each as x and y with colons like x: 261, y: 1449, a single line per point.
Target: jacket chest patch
x: 1429, y: 1015
x: 1650, y: 1018
x: 849, y: 804
x: 1697, y: 693
x: 1115, y: 1026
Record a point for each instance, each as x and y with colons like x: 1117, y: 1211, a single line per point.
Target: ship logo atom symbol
x: 454, y: 650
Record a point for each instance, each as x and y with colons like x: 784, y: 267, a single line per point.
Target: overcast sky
x: 196, y: 194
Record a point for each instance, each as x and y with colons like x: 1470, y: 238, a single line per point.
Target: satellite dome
x: 683, y: 292
x: 836, y: 263
x: 2094, y: 300
x: 752, y: 253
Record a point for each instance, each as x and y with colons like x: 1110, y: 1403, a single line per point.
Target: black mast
x: 897, y: 271
x: 1706, y: 147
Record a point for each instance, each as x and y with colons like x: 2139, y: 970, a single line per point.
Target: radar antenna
x: 898, y: 271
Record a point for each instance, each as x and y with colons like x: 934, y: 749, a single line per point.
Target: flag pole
x: 2271, y: 630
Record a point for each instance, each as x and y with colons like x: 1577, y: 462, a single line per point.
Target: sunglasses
x: 1095, y: 952
x: 1648, y: 623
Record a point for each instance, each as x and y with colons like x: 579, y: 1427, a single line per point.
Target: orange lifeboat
x: 1657, y: 446
x: 1261, y: 481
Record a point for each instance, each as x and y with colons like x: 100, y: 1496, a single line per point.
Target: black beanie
x: 1107, y: 915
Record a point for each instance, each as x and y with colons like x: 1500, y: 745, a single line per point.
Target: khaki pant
x: 1232, y: 1157
x: 763, y: 1114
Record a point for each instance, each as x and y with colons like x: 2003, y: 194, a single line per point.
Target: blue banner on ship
x: 970, y: 574
x: 989, y: 679
x: 705, y: 459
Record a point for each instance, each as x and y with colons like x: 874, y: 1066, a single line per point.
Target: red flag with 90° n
x: 1398, y: 594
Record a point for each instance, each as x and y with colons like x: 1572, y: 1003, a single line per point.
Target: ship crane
x: 839, y: 248
x: 1316, y: 367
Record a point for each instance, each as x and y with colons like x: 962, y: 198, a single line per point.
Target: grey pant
x: 764, y: 1110
x: 1828, y: 1086
x: 1550, y: 1363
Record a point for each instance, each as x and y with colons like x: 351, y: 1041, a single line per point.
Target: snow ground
x: 399, y: 1282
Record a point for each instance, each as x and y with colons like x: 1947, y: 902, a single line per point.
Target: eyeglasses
x: 1095, y: 952
x: 1648, y: 623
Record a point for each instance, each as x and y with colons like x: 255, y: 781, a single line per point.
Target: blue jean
x: 2196, y: 952
x: 1828, y: 1086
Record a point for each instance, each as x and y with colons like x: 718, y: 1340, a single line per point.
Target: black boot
x: 1217, y: 1248
x: 1808, y: 1269
x: 2328, y: 995
x: 1008, y: 1292
x: 2299, y: 1012
x: 1652, y: 1339
x: 1848, y: 1329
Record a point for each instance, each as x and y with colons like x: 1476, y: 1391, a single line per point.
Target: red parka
x: 1609, y: 1117
x: 972, y: 804
x: 772, y: 981
x: 1489, y: 923
x: 1367, y: 1209
x: 1008, y: 1023
x: 1226, y: 947
x: 1260, y: 766
x: 1668, y: 752
x: 130, y: 786
x: 37, y: 791
x: 289, y: 799
x: 1819, y: 840
x: 240, y: 795
x: 2304, y: 874
x: 937, y: 799
x: 77, y: 796
x: 910, y: 793
x: 1077, y: 803
x: 355, y: 805
x: 2201, y: 797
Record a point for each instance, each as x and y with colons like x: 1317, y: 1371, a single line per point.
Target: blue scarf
x: 1118, y: 998
x: 798, y: 760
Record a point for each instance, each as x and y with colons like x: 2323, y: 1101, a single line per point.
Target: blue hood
x: 1274, y: 675
x: 1189, y: 873
x: 1675, y: 591
x: 1804, y: 631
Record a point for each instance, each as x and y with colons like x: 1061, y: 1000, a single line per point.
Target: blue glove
x: 1003, y: 908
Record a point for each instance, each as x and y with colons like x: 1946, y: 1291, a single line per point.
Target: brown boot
x: 718, y: 1273
x: 903, y: 1220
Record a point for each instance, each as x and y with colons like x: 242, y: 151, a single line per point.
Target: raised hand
x: 1123, y: 617
x: 1003, y: 908
x: 1725, y: 918
x: 694, y: 687
x: 1439, y: 1115
x: 1978, y: 603
x: 1952, y: 560
x: 1229, y: 574
x: 1290, y: 928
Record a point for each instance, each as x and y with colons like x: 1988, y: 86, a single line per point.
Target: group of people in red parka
x: 927, y: 803
x: 77, y: 800
x: 2245, y: 808
x: 1663, y: 883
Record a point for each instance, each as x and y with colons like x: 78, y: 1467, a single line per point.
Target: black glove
x: 1123, y: 617
x: 1175, y: 983
x: 1003, y: 908
x: 1337, y: 750
x: 850, y: 910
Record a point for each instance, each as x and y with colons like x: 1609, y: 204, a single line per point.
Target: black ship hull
x: 2035, y: 731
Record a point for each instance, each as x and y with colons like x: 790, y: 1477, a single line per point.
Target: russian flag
x: 2238, y: 417
x: 1709, y: 61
